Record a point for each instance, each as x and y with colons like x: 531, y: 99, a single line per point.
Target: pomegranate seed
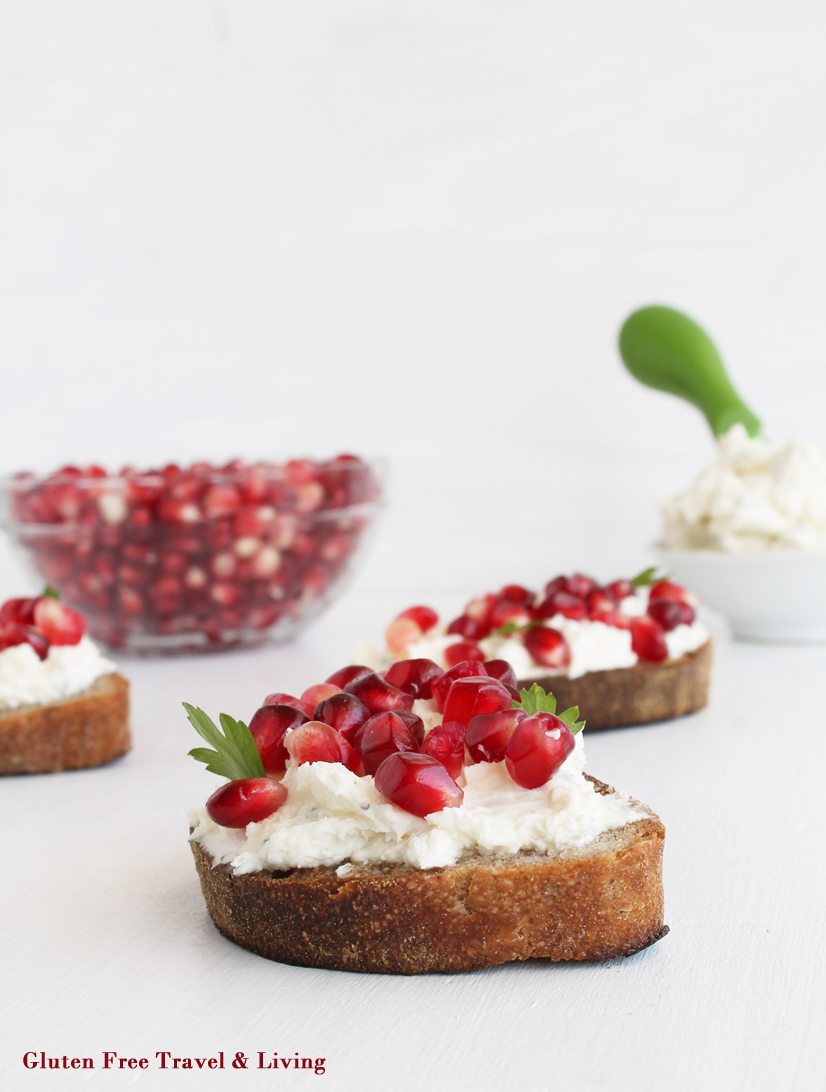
x: 488, y: 734
x: 378, y: 694
x: 517, y: 594
x: 280, y: 698
x: 179, y: 512
x: 561, y: 602
x: 417, y: 783
x: 399, y: 635
x: 462, y: 650
x: 469, y: 627
x: 580, y: 585
x: 479, y: 610
x: 60, y: 625
x: 130, y: 601
x: 469, y: 697
x: 227, y: 595
x: 424, y: 617
x: 547, y: 647
x: 468, y: 669
x: 266, y: 562
x: 446, y: 743
x: 345, y: 675
x: 413, y: 722
x: 414, y: 677
x: 316, y: 741
x: 316, y: 694
x: 309, y: 497
x: 620, y: 589
x: 15, y: 633
x: 247, y: 801
x: 221, y: 500
x: 269, y: 725
x: 613, y: 618
x: 648, y: 639
x: 501, y: 670
x: 344, y: 712
x: 671, y: 613
x: 598, y: 602
x: 223, y: 565
x: 383, y: 735
x: 195, y: 578
x: 666, y: 589
x: 247, y: 547
x: 18, y: 610
x: 559, y: 583
x: 538, y: 747
x: 172, y: 563
x: 507, y: 613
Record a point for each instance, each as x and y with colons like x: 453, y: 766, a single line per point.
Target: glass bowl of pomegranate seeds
x: 196, y: 558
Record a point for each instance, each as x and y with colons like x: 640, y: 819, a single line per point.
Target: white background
x: 413, y: 229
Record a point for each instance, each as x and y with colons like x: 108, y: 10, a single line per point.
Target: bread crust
x: 593, y: 903
x: 86, y: 729
x: 635, y: 695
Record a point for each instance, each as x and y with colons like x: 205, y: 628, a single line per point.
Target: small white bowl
x: 766, y: 597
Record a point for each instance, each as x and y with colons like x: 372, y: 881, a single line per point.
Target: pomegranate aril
x: 424, y: 617
x: 515, y: 593
x: 469, y: 697
x: 269, y: 725
x: 487, y: 734
x: 418, y: 784
x: 538, y: 747
x: 620, y: 589
x: 345, y: 675
x: 18, y: 610
x: 414, y: 677
x: 671, y: 613
x: 246, y: 801
x: 344, y: 712
x: 60, y: 625
x: 316, y: 741
x: 400, y: 634
x: 507, y: 613
x: 279, y: 698
x: 547, y: 647
x: 479, y: 610
x: 501, y: 670
x: 465, y: 626
x: 446, y: 743
x: 461, y: 651
x: 598, y: 602
x: 315, y: 694
x: 581, y: 585
x: 561, y: 602
x: 648, y: 639
x: 383, y: 735
x: 667, y: 589
x: 378, y: 694
x: 15, y: 633
x: 468, y: 669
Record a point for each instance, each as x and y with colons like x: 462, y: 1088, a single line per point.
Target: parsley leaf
x: 648, y: 577
x: 536, y: 700
x: 235, y: 753
x: 510, y: 628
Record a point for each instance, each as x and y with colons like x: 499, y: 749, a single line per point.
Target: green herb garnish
x: 510, y: 628
x: 648, y: 577
x: 235, y: 755
x: 536, y: 700
x: 49, y: 593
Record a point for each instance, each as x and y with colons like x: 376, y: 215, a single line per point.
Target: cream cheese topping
x: 333, y: 817
x: 757, y: 496
x: 25, y: 679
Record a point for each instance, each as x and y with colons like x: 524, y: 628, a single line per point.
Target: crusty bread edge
x: 596, y: 902
x: 86, y: 729
x: 640, y: 694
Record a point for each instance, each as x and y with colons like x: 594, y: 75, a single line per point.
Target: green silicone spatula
x: 668, y: 351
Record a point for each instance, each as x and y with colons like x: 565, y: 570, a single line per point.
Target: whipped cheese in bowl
x: 25, y: 679
x: 334, y: 817
x: 757, y: 496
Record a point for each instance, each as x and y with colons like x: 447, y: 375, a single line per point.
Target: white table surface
x: 413, y: 229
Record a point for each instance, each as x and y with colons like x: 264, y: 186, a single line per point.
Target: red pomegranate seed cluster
x: 518, y: 610
x: 217, y: 554
x: 365, y: 721
x: 40, y: 622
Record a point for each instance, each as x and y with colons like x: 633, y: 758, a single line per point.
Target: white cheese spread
x: 333, y: 817
x: 25, y: 679
x: 757, y: 496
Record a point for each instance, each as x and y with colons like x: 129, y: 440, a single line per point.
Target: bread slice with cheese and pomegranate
x: 442, y: 827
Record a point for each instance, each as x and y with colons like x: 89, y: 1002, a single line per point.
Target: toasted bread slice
x: 86, y: 729
x: 592, y: 903
x: 635, y: 695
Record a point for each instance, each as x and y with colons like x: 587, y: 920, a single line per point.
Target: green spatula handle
x: 667, y: 350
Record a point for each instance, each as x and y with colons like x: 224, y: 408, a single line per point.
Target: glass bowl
x: 199, y: 558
